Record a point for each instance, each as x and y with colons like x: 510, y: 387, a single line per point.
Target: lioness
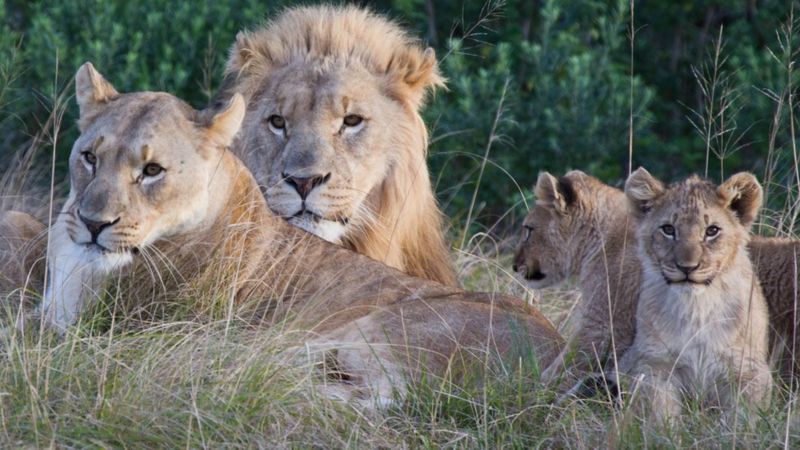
x: 22, y: 248
x: 576, y: 229
x: 150, y: 175
x: 701, y: 318
x: 333, y: 132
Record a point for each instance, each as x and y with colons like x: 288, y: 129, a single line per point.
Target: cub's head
x: 555, y: 227
x: 332, y: 131
x: 146, y: 166
x: 692, y: 231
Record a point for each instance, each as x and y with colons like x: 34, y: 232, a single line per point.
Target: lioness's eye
x: 152, y: 169
x: 668, y: 230
x: 277, y: 121
x: 352, y: 120
x: 90, y: 157
x: 712, y: 231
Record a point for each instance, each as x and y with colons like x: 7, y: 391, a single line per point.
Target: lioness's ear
x: 554, y: 193
x: 92, y: 91
x: 743, y: 194
x: 642, y: 189
x: 414, y: 73
x: 226, y: 123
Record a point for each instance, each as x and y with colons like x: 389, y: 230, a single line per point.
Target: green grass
x: 185, y: 381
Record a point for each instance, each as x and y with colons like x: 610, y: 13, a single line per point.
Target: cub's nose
x: 304, y: 185
x: 687, y: 269
x: 519, y: 261
x: 96, y: 227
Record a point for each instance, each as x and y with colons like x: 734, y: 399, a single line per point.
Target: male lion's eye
x: 90, y: 157
x: 152, y: 169
x: 668, y: 230
x: 277, y: 121
x: 712, y: 231
x: 353, y: 120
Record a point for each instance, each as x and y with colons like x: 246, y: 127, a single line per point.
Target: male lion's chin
x: 330, y: 230
x: 688, y: 281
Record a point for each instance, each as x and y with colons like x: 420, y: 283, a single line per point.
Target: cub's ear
x: 93, y: 92
x: 226, y: 123
x: 642, y: 189
x: 413, y: 73
x: 743, y: 194
x: 557, y: 194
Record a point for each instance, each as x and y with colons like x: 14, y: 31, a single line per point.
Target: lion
x: 539, y: 253
x: 22, y: 250
x: 333, y: 132
x: 575, y: 229
x: 701, y: 318
x: 150, y: 175
x: 776, y: 263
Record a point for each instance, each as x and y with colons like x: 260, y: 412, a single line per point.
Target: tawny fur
x: 701, y: 331
x: 22, y: 251
x: 313, y: 66
x: 371, y: 322
x: 576, y: 229
x: 777, y: 263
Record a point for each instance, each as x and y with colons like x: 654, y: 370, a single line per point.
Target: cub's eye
x: 152, y: 169
x: 352, y: 120
x: 668, y: 230
x: 89, y: 157
x: 527, y: 232
x: 278, y: 122
x: 712, y: 231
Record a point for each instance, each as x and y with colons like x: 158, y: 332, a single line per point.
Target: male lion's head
x: 333, y: 134
x: 692, y: 231
x: 145, y: 166
x: 556, y: 231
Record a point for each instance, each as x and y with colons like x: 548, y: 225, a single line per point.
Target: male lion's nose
x: 304, y: 185
x: 687, y: 269
x: 95, y: 227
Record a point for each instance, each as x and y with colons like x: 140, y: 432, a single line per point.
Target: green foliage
x: 179, y: 47
x: 565, y: 68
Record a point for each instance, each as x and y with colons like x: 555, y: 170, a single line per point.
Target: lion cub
x: 575, y: 230
x: 701, y: 320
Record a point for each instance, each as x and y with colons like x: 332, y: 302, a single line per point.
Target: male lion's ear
x: 241, y: 53
x: 92, y: 91
x: 743, y: 194
x: 642, y: 189
x: 226, y: 123
x: 414, y: 73
x: 554, y: 193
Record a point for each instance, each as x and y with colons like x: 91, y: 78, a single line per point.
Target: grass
x: 213, y: 382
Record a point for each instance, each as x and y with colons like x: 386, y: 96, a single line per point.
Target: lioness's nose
x: 96, y: 227
x: 304, y: 185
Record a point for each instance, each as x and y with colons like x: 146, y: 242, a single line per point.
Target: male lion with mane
x: 334, y: 136
x: 151, y: 176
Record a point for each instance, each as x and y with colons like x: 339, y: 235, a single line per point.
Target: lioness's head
x: 332, y: 131
x: 554, y: 231
x: 146, y: 166
x: 692, y: 231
